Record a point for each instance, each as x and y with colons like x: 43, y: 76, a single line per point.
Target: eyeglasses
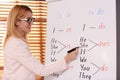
x: 28, y: 20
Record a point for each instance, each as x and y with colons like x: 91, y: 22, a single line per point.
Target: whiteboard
x: 91, y: 25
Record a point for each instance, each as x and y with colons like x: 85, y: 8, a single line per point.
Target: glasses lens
x: 30, y: 20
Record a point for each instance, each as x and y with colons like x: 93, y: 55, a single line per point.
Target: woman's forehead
x: 28, y: 14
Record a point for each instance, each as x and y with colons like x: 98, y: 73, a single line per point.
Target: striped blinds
x: 37, y: 36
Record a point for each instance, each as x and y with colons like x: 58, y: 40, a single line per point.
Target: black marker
x: 72, y: 49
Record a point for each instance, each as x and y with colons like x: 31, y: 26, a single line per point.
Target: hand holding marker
x: 72, y: 54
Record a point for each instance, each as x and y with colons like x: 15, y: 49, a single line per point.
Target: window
x: 37, y: 36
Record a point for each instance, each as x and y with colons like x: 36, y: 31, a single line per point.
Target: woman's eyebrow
x: 30, y: 17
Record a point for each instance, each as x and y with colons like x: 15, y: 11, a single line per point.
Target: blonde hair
x: 16, y: 12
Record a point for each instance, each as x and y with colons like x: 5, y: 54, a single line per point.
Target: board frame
x: 118, y: 37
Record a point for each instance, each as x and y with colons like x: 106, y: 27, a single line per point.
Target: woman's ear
x: 17, y: 23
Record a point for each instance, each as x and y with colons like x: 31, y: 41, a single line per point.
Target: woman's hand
x: 71, y: 56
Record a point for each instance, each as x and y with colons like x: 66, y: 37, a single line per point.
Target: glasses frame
x: 28, y: 20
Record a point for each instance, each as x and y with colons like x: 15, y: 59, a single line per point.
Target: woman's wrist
x: 67, y: 59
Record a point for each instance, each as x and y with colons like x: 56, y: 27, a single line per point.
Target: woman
x: 19, y: 64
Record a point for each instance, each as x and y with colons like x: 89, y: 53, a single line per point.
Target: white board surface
x: 91, y: 25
